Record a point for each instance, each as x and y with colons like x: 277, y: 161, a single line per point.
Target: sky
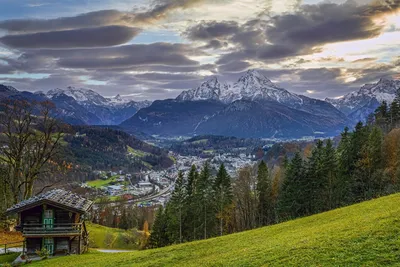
x: 154, y: 49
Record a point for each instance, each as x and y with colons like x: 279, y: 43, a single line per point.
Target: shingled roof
x: 57, y: 197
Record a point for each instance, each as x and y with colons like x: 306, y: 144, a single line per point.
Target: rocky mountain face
x: 253, y: 106
x: 359, y: 104
x: 81, y: 106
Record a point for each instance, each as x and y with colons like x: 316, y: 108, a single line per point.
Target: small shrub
x: 43, y: 253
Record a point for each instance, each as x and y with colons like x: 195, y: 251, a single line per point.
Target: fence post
x: 5, y: 248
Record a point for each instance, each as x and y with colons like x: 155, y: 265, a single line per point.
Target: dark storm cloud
x: 211, y: 30
x: 126, y: 56
x: 165, y: 77
x: 235, y: 66
x: 87, y: 37
x: 86, y: 20
x: 159, y: 9
x: 214, y: 44
x: 152, y: 57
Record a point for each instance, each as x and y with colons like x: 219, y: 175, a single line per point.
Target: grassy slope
x: 8, y: 258
x: 98, y: 233
x: 365, y: 234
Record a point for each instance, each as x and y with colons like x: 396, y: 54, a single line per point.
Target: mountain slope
x: 171, y: 117
x: 364, y: 234
x: 251, y: 119
x: 359, y: 104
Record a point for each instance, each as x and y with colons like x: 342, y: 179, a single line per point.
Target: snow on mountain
x: 81, y: 95
x: 208, y: 90
x: 383, y: 90
x: 90, y: 97
x: 251, y: 86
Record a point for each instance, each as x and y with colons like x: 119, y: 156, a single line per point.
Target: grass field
x: 137, y: 153
x: 366, y: 234
x: 8, y: 258
x: 111, y: 238
x: 100, y: 182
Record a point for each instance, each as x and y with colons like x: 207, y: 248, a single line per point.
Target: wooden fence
x: 11, y: 247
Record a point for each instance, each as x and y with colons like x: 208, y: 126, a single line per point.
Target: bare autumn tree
x: 245, y: 200
x: 29, y: 142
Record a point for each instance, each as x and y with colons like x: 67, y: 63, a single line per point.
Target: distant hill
x: 364, y: 234
x: 100, y: 148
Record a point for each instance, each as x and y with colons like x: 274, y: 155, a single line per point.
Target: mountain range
x: 81, y: 106
x: 359, y: 104
x: 253, y: 106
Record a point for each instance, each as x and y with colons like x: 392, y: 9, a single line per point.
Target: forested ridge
x: 106, y: 149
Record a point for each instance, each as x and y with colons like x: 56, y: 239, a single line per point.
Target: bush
x: 43, y: 253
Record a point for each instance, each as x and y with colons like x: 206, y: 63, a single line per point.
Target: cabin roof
x: 58, y: 197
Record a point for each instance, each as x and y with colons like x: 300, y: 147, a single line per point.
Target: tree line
x: 364, y: 165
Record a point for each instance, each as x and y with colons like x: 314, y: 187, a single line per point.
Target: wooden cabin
x: 54, y: 220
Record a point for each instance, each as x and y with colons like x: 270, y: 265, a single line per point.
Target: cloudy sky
x: 154, y: 49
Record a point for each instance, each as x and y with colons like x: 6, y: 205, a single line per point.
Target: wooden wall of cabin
x: 33, y: 244
x: 32, y: 216
x: 61, y: 216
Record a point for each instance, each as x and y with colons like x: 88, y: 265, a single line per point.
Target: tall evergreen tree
x: 314, y: 179
x: 330, y: 169
x: 204, y: 199
x: 159, y: 234
x: 191, y: 206
x: 263, y: 193
x: 178, y: 201
x: 291, y: 200
x: 223, y: 196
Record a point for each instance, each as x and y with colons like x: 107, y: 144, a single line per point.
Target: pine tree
x: 190, y: 207
x: 370, y: 164
x: 204, y: 198
x: 314, y: 178
x: 159, y: 234
x: 178, y: 200
x: 382, y: 115
x: 291, y: 200
x: 358, y: 149
x: 263, y: 193
x: 223, y: 196
x: 330, y: 171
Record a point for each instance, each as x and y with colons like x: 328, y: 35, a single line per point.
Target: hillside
x: 362, y: 234
x: 105, y: 148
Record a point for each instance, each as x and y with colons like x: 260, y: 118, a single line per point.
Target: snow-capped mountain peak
x: 208, y: 90
x: 367, y: 97
x: 253, y: 78
x: 251, y: 86
x: 81, y: 95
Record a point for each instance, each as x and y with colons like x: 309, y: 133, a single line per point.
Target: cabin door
x: 48, y: 219
x: 48, y: 244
